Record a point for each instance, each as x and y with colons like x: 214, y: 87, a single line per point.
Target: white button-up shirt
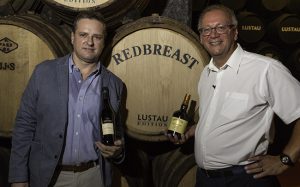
x: 237, y: 103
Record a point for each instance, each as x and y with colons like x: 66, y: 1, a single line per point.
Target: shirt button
x: 60, y: 136
x: 79, y: 81
x: 80, y: 98
x: 55, y: 156
x: 76, y: 133
x: 78, y: 115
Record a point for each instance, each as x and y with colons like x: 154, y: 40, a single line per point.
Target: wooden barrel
x: 160, y: 60
x: 266, y: 6
x: 199, y: 5
x: 233, y: 4
x: 294, y: 59
x: 270, y: 50
x: 251, y: 28
x: 285, y: 29
x: 293, y: 7
x: 24, y: 42
x: 135, y: 171
x: 119, y: 180
x: 175, y: 168
x: 11, y: 7
x: 272, y: 5
x: 294, y: 63
x: 112, y: 10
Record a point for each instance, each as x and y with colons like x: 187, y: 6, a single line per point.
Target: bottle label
x: 178, y: 125
x: 107, y: 128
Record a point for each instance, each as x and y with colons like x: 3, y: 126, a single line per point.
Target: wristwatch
x: 286, y: 160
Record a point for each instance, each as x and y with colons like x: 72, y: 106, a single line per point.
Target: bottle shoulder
x: 180, y: 114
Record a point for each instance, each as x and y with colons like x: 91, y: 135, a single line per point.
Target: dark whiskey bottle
x: 179, y: 119
x: 107, y: 127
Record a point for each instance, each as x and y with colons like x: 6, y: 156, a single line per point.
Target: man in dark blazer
x: 56, y: 139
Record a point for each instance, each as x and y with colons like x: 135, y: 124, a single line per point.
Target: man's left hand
x: 111, y: 151
x: 265, y: 165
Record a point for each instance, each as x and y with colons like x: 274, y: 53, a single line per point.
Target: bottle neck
x: 107, y: 104
x: 105, y: 97
x: 183, y: 107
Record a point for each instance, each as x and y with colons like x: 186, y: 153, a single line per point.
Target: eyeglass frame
x: 225, y: 27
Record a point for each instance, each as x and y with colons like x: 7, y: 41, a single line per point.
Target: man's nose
x: 214, y: 32
x: 90, y: 40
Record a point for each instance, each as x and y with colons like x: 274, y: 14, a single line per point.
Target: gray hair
x: 223, y: 8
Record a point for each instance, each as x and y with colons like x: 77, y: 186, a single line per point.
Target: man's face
x: 218, y: 44
x: 88, y: 40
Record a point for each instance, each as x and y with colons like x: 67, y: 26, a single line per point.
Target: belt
x: 79, y: 167
x: 226, y: 172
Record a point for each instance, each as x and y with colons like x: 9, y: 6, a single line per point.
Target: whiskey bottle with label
x: 179, y: 119
x: 107, y: 127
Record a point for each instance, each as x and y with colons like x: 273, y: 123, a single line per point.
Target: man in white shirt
x: 239, y: 94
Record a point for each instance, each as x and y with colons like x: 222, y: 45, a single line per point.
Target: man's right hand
x: 20, y: 184
x: 187, y: 135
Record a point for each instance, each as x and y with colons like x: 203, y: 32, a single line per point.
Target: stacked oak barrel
x: 158, y: 58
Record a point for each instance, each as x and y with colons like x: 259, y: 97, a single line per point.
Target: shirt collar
x: 233, y: 62
x: 72, y: 66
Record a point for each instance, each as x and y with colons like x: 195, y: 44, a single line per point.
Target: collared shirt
x: 83, y: 117
x: 237, y: 104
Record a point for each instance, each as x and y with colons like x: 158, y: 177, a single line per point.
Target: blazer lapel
x: 63, y: 83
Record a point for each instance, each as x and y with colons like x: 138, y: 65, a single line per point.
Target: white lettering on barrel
x: 251, y: 27
x: 290, y: 29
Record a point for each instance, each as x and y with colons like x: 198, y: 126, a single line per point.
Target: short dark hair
x: 223, y: 8
x: 89, y: 15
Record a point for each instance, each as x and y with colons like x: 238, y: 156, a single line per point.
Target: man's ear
x: 72, y: 37
x: 236, y: 34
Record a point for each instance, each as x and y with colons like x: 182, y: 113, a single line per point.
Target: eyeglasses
x: 220, y: 29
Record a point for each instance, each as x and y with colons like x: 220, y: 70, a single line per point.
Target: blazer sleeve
x: 121, y: 115
x: 23, y: 132
x: 116, y: 87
